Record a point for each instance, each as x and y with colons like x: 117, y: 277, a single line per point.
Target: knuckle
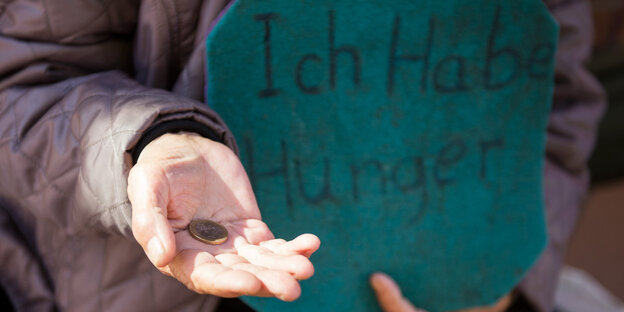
x: 140, y: 221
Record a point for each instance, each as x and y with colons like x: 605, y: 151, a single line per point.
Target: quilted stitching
x: 79, y: 124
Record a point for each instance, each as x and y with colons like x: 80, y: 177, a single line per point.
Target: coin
x: 207, y: 231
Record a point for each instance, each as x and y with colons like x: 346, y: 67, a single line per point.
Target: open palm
x: 181, y: 177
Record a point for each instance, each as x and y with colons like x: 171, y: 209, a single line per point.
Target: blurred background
x: 597, y: 246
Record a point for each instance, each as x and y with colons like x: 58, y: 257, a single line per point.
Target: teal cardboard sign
x: 408, y: 135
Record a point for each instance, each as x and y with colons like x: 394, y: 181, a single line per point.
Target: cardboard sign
x: 408, y: 135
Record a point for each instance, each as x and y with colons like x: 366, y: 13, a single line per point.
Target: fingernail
x: 154, y: 249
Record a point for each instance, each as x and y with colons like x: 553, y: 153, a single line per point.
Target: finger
x: 254, y: 269
x: 239, y: 263
x: 230, y: 259
x: 304, y: 244
x: 277, y: 284
x: 297, y: 265
x: 273, y: 243
x: 389, y: 295
x: 253, y: 230
x: 201, y: 272
x: 148, y: 194
x: 274, y: 283
x: 280, y: 284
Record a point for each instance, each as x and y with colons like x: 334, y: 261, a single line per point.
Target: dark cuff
x: 172, y: 126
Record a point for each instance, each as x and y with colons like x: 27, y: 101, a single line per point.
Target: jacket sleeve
x: 578, y: 104
x: 70, y: 115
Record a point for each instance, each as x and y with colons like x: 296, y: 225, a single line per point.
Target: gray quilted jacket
x: 82, y: 81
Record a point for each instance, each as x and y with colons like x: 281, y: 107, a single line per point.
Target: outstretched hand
x: 181, y: 177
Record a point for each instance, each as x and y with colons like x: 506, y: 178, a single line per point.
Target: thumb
x: 148, y: 193
x: 389, y: 294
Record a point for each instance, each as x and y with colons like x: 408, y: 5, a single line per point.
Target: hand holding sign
x: 390, y: 297
x: 181, y: 177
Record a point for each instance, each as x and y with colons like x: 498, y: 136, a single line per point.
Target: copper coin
x: 207, y: 231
